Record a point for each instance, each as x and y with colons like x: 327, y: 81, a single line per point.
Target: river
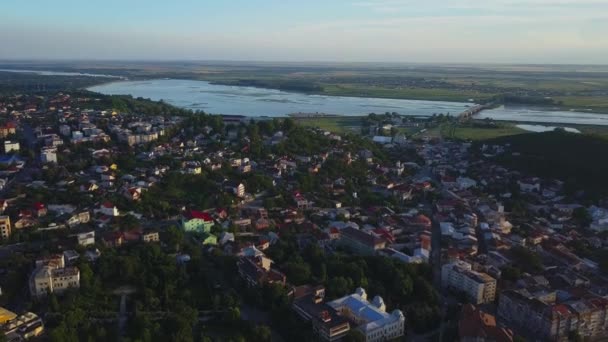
x: 250, y: 101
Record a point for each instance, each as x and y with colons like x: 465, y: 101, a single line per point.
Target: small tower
x: 361, y: 292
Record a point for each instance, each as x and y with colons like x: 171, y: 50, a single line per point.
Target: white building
x: 108, y: 209
x: 47, y: 280
x: 479, y: 287
x: 48, y: 155
x: 51, y: 276
x: 5, y: 227
x: 86, y: 239
x: 371, y: 319
x: 10, y: 146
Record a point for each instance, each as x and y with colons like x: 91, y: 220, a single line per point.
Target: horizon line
x: 252, y: 61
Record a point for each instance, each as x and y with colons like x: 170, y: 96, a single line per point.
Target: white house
x: 86, y: 239
x: 48, y: 155
x: 108, y: 209
x: 11, y: 146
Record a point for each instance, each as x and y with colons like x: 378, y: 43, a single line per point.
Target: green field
x: 342, y: 124
x: 478, y: 133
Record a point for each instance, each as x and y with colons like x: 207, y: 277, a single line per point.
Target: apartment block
x: 479, y: 287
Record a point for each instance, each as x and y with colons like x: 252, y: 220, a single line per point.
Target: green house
x: 209, y: 240
x: 197, y: 222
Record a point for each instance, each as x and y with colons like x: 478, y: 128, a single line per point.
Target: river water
x: 250, y: 101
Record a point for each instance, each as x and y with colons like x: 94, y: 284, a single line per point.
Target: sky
x: 431, y: 31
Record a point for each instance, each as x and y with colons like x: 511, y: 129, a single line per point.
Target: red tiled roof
x: 195, y: 214
x: 561, y: 309
x: 476, y: 323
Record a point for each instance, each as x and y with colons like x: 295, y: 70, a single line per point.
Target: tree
x: 510, y: 273
x: 582, y: 216
x: 262, y: 333
x: 354, y: 335
x: 298, y: 273
x: 175, y: 236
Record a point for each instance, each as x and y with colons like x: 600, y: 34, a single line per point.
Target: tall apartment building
x: 478, y: 286
x: 555, y: 321
x: 5, y: 227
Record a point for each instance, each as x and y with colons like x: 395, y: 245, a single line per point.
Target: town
x: 125, y: 219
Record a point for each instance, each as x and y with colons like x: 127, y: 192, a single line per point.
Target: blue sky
x: 493, y: 31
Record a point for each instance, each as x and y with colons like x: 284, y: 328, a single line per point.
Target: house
x: 257, y: 271
x: 209, y: 239
x: 150, y: 237
x: 238, y: 189
x: 361, y: 242
x: 92, y: 255
x: 226, y: 237
x: 5, y: 227
x: 113, y: 239
x: 529, y: 185
x: 79, y: 218
x: 86, y: 239
x: 301, y: 201
x: 39, y: 209
x: 7, y: 129
x: 192, y: 168
x: 11, y: 146
x: 48, y: 155
x: 108, y: 209
x: 194, y: 221
x: 25, y: 222
x: 132, y: 193
x: 70, y: 256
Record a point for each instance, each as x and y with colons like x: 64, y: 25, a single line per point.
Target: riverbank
x: 475, y: 129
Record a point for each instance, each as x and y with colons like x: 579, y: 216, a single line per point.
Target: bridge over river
x: 468, y: 114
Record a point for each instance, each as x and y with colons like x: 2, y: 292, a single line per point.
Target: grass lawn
x: 340, y: 124
x: 479, y: 133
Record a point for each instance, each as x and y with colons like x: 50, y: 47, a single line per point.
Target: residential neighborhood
x: 118, y: 213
